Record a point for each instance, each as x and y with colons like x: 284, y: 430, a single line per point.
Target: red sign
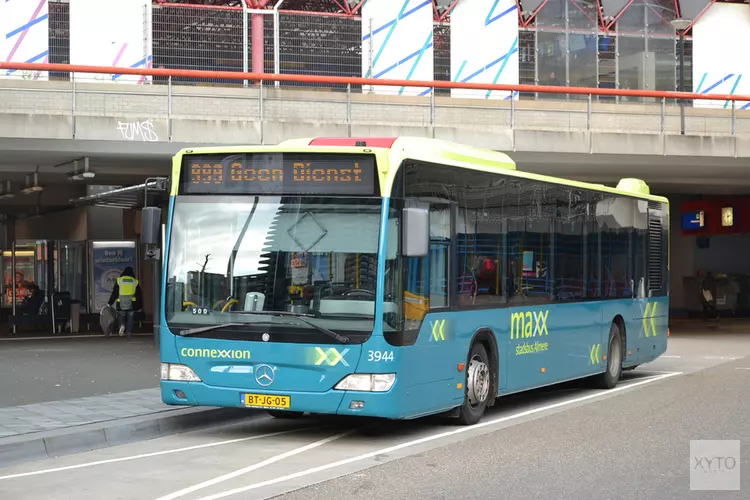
x: 712, y: 213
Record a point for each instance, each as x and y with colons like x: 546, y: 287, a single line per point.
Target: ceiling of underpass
x: 128, y: 163
x: 113, y: 164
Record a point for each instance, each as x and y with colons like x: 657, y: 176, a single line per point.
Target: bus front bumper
x: 332, y: 402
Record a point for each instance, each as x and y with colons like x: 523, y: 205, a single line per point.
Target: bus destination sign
x: 279, y: 173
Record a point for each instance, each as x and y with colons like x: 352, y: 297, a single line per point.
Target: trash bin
x: 60, y: 310
x: 75, y: 315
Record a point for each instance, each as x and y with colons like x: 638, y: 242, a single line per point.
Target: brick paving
x: 55, y: 415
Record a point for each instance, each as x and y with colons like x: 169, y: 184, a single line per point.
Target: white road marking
x: 68, y: 337
x: 253, y: 467
x: 671, y: 357
x: 742, y: 368
x: 433, y: 437
x: 156, y: 453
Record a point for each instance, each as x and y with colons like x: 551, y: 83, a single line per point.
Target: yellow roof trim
x: 636, y: 186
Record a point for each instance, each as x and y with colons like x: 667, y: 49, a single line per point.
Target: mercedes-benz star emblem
x: 264, y: 375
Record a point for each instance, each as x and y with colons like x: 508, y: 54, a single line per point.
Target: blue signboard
x: 693, y: 220
x: 109, y: 260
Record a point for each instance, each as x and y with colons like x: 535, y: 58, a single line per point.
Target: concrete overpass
x: 128, y: 132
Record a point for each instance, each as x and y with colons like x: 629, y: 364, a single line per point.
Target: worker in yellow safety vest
x: 128, y: 296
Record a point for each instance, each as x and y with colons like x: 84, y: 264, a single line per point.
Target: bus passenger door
x: 429, y: 366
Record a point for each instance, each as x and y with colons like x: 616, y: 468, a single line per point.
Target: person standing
x: 708, y: 292
x: 129, y: 298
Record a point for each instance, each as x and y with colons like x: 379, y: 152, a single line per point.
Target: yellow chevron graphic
x: 330, y: 357
x: 438, y: 330
x: 649, y: 319
x: 594, y: 354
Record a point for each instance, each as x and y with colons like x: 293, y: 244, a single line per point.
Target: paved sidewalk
x: 41, y: 371
x: 27, y: 419
x: 52, y: 429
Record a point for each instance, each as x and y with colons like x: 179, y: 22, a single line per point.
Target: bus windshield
x: 233, y: 256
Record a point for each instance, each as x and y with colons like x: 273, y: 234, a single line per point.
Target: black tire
x: 612, y: 374
x: 474, y: 406
x: 287, y: 415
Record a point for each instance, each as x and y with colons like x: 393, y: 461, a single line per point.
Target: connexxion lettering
x: 190, y: 352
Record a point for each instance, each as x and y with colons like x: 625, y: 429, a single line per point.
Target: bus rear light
x: 367, y: 382
x: 178, y: 373
x: 461, y: 367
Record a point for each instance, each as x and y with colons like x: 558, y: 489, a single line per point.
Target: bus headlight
x: 179, y: 373
x: 367, y: 382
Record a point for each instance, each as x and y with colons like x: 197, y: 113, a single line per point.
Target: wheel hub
x: 478, y: 381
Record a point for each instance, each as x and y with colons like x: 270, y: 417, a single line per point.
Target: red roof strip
x: 371, y: 142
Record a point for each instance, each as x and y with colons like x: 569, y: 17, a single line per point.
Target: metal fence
x: 328, y: 44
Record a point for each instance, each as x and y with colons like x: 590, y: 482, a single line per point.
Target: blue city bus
x: 399, y: 278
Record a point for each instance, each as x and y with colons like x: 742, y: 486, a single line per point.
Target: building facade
x: 623, y: 44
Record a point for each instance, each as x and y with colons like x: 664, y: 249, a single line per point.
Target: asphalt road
x: 563, y: 442
x: 38, y: 371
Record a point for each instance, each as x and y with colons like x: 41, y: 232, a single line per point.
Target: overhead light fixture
x: 32, y: 186
x: 681, y: 24
x: 6, y: 193
x: 79, y: 176
x: 32, y: 189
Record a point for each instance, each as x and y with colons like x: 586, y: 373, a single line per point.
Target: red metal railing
x: 337, y: 80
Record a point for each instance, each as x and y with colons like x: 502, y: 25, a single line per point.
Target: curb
x: 17, y: 450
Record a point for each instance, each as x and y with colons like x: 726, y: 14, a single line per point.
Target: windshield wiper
x: 201, y: 329
x: 301, y: 317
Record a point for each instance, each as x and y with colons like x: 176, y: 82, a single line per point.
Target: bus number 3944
x: 378, y: 356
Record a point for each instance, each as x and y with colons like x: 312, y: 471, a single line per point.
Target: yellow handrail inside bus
x: 233, y: 301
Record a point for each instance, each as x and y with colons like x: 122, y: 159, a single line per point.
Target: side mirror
x: 416, y: 232
x: 151, y: 226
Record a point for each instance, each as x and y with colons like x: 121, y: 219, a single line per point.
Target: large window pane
x: 530, y: 267
x: 663, y: 50
x: 567, y: 43
x: 647, y: 46
x: 570, y: 251
x: 479, y: 230
x: 631, y: 63
x: 440, y: 241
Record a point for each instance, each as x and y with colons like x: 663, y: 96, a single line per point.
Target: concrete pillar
x: 257, y: 45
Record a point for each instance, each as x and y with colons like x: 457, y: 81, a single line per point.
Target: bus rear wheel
x: 478, y: 386
x: 609, y: 378
x: 285, y: 414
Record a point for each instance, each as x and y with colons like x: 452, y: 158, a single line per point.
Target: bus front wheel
x: 478, y: 386
x: 609, y: 378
